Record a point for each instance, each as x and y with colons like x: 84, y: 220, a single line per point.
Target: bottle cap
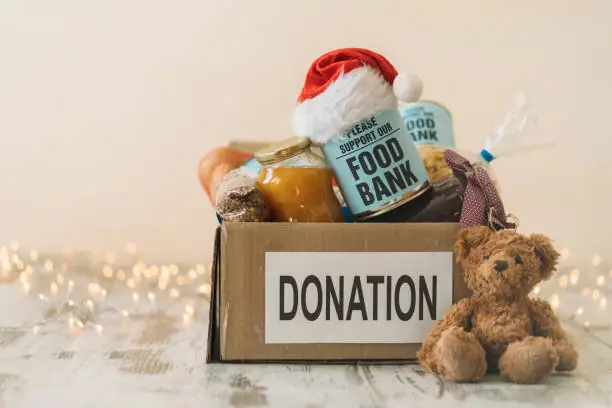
x: 282, y: 150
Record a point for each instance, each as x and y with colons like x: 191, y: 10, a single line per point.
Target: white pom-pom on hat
x: 407, y: 87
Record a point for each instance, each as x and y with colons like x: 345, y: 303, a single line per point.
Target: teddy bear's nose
x: 500, y: 266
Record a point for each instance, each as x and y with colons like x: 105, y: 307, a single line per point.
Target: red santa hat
x: 346, y: 85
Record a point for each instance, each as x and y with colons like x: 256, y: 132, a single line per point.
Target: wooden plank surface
x: 157, y: 360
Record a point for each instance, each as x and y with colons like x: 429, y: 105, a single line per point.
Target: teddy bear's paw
x: 528, y: 361
x: 568, y: 356
x: 459, y: 356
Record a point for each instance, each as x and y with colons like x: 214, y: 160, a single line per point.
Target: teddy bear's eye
x: 486, y: 257
x: 518, y: 260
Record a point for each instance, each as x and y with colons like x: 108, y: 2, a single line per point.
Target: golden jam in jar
x: 297, y: 184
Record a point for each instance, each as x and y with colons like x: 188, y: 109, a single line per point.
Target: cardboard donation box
x: 329, y: 292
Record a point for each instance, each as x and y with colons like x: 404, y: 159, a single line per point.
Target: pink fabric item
x: 481, y: 203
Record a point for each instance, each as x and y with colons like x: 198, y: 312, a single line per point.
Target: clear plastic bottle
x: 297, y: 184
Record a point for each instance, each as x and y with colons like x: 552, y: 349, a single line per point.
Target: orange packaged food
x: 215, y: 165
x: 297, y: 184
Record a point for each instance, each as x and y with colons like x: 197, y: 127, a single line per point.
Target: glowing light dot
x: 99, y: 328
x: 103, y: 293
x: 121, y: 275
x: 107, y: 271
x: 33, y: 255
x: 205, y: 289
x: 586, y: 291
x: 596, y: 261
x: 174, y: 293
x: 579, y: 311
x: 601, y: 280
x: 71, y: 322
x: 80, y: 324
x: 189, y: 310
x: 536, y: 290
x: 135, y: 297
x: 94, y: 289
x: 555, y: 301
x: 110, y: 258
x: 154, y: 270
x: 574, y: 276
x: 200, y: 269
x: 5, y: 261
x: 174, y: 270
x: 15, y: 259
x: 162, y: 284
x: 70, y: 284
x: 89, y: 304
x: 36, y: 329
x: 603, y: 302
x: 42, y: 297
x: 48, y: 266
x: 193, y: 274
x: 563, y: 281
x: 125, y: 313
x: 71, y: 303
x: 136, y: 271
x: 14, y: 245
x: 53, y: 288
x: 181, y: 280
x: 186, y: 318
x: 587, y: 324
x: 151, y: 297
x: 131, y: 247
x: 60, y: 279
x: 565, y: 253
x: 596, y: 294
x: 130, y: 283
x: 26, y: 287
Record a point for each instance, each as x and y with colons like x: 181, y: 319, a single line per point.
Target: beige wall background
x: 106, y: 107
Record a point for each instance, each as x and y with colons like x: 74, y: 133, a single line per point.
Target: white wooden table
x: 159, y: 361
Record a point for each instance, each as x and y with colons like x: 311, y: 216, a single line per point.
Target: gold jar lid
x: 282, y: 150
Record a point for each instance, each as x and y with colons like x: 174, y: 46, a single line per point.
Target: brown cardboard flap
x: 237, y: 323
x: 213, y: 346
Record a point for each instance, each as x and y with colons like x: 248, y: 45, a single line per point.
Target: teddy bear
x: 500, y: 328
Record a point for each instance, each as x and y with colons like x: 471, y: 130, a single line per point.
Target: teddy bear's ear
x: 546, y: 252
x: 469, y: 238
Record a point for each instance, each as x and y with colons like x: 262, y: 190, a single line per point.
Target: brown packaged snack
x: 239, y: 200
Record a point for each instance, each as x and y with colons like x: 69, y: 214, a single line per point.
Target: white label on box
x: 355, y: 297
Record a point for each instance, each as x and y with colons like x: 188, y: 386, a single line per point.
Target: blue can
x: 376, y: 165
x: 429, y: 123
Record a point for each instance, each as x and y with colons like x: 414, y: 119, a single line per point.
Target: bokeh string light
x: 80, y: 291
x: 580, y: 292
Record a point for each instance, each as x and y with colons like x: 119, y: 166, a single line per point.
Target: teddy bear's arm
x: 458, y: 315
x: 546, y: 324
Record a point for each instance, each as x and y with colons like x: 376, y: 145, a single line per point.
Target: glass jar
x: 296, y: 183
